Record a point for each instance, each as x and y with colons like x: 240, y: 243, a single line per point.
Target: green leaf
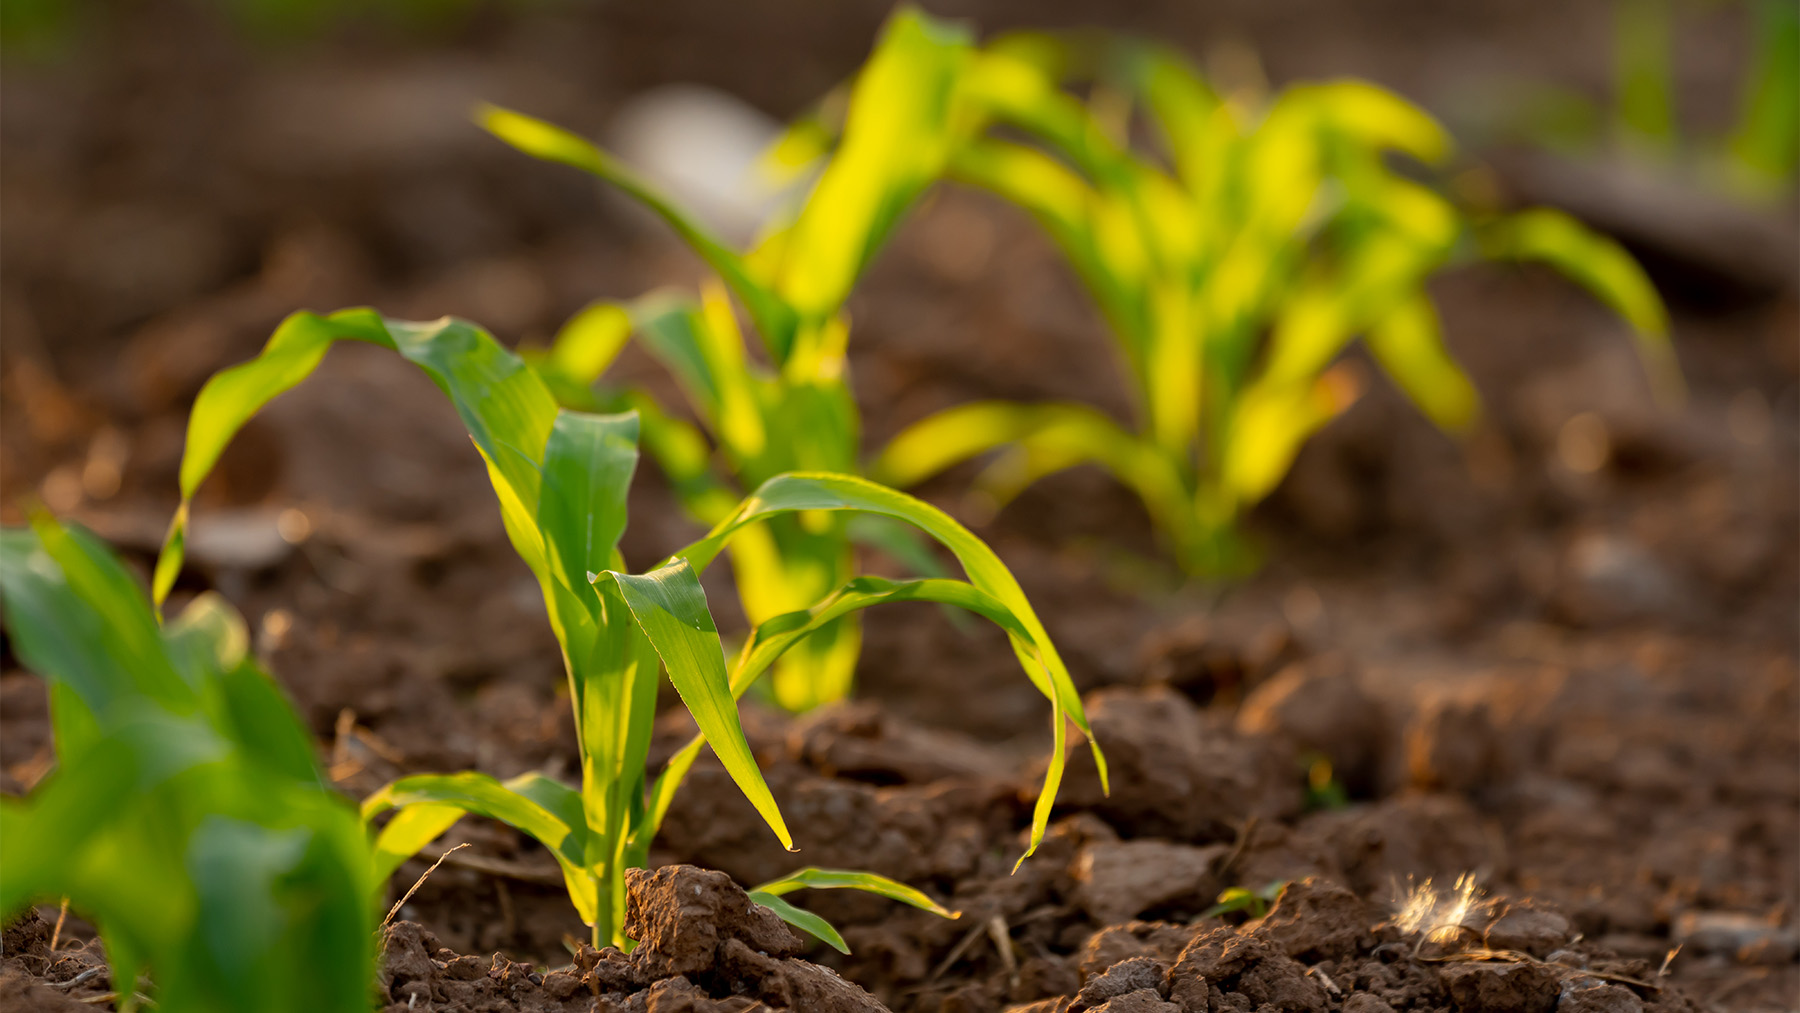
x: 897, y: 540
x: 1108, y: 261
x: 1409, y: 344
x: 410, y: 829
x: 802, y: 919
x: 187, y: 816
x: 774, y: 318
x: 482, y: 795
x: 504, y: 405
x: 589, y: 342
x: 670, y: 607
x: 771, y: 638
x: 899, y: 129
x: 1766, y: 142
x: 588, y: 465
x: 1602, y: 267
x: 804, y: 491
x: 1374, y: 117
x: 58, y: 635
x: 814, y: 878
x: 1271, y: 422
x: 1643, y: 75
x: 1051, y: 437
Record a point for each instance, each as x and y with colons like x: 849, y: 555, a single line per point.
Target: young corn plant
x: 561, y: 478
x: 187, y: 816
x: 1233, y: 266
x: 789, y: 409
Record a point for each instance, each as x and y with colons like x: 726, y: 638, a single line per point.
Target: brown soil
x: 1575, y: 685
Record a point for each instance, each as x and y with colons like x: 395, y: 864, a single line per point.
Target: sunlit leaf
x: 551, y: 143
x: 1409, y: 344
x: 814, y: 878
x: 802, y: 919
x: 670, y: 606
x: 817, y: 491
x: 1604, y: 269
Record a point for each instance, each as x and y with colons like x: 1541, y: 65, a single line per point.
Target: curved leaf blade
x: 802, y: 919
x: 1602, y: 267
x: 803, y: 491
x: 774, y: 318
x: 814, y: 878
x: 430, y: 803
x: 670, y: 606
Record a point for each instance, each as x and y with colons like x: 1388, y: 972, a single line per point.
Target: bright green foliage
x: 187, y: 816
x: 813, y: 878
x: 1233, y: 266
x: 561, y: 478
x: 793, y: 412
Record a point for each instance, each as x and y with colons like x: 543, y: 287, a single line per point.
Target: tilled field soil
x: 1516, y: 720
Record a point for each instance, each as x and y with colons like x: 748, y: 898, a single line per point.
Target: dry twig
x: 416, y: 884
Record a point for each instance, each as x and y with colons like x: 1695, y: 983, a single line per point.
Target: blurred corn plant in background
x: 1234, y: 260
x: 789, y: 408
x: 1756, y: 158
x: 187, y: 816
x: 561, y: 478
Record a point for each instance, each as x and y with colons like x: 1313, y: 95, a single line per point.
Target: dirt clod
x: 703, y: 947
x: 1529, y: 928
x: 1228, y: 961
x: 1451, y: 744
x: 1144, y: 1000
x: 1162, y: 940
x: 1126, y: 976
x: 1316, y: 920
x: 1598, y: 997
x: 1502, y: 987
x: 1118, y: 880
x: 1318, y: 706
x: 681, y: 916
x: 1174, y: 773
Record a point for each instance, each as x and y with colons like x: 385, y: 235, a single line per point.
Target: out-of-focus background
x: 178, y: 175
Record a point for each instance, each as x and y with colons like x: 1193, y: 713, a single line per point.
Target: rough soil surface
x: 703, y: 947
x: 1555, y: 660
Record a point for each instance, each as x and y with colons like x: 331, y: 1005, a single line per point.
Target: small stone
x: 560, y: 985
x: 1528, y: 929
x: 1115, y: 880
x: 1144, y: 1000
x: 1127, y: 976
x: 1586, y: 995
x: 1501, y: 988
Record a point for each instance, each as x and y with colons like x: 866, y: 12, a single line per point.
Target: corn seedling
x: 1233, y: 267
x: 793, y: 410
x: 187, y: 815
x: 1254, y: 903
x: 561, y: 478
x: 1756, y: 159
